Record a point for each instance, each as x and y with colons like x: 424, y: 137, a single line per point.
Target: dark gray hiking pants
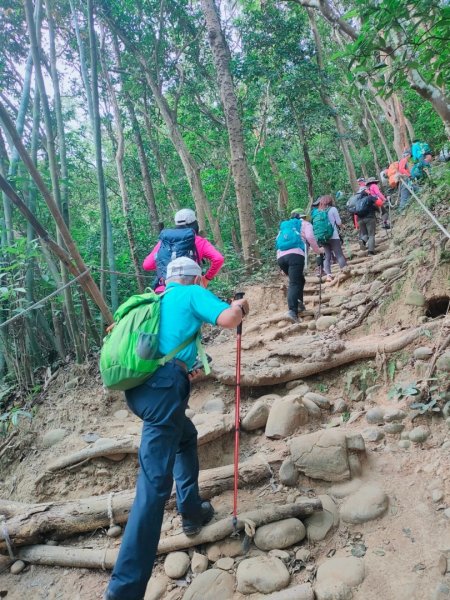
x: 367, y: 231
x: 335, y: 247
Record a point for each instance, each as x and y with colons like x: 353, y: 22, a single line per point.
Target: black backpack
x: 174, y: 243
x: 364, y: 205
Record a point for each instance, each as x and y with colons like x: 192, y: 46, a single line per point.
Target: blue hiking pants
x: 168, y: 448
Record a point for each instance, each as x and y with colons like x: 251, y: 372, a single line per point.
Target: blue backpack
x: 174, y: 243
x: 419, y: 149
x: 289, y: 235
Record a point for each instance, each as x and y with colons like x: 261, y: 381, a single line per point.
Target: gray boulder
x: 319, y: 399
x: 285, y: 417
x: 213, y: 584
x: 53, y: 436
x: 320, y: 523
x: 321, y: 455
x: 257, y: 416
x: 336, y: 578
x: 288, y: 473
x: 176, y: 564
x: 265, y: 574
x: 369, y: 502
x: 281, y: 534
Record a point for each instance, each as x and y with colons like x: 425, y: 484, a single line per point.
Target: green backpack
x: 129, y: 353
x: 323, y: 229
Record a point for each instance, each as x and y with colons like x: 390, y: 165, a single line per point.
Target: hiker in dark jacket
x: 367, y: 223
x: 168, y: 447
x: 333, y: 245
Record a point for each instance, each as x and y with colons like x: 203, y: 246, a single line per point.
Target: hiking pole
x: 237, y: 415
x: 319, y: 262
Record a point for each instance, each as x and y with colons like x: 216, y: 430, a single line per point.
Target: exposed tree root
x: 64, y: 556
x: 32, y: 523
x: 116, y: 449
x: 319, y: 361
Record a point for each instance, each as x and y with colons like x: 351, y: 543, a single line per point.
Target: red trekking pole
x: 237, y: 416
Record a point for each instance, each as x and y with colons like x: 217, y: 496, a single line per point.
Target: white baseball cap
x: 185, y: 216
x: 183, y: 267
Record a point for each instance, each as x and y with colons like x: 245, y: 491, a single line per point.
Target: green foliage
x: 11, y: 419
x: 402, y: 390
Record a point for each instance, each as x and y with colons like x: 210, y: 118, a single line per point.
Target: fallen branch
x: 32, y: 523
x: 363, y: 348
x: 116, y: 449
x: 64, y: 556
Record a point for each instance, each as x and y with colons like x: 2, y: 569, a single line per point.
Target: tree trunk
x: 366, y: 125
x: 379, y: 130
x: 120, y: 152
x: 53, y: 165
x: 361, y: 349
x: 307, y: 160
x: 68, y: 556
x: 342, y: 134
x: 173, y: 200
x: 87, y: 282
x: 239, y: 167
x: 283, y: 196
x: 428, y: 91
x: 147, y: 185
x: 191, y: 168
x: 59, y: 520
x: 107, y: 250
x: 83, y: 63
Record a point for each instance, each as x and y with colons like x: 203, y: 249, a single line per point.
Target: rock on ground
x: 261, y: 574
x: 303, y: 591
x: 368, y: 503
x: 419, y: 434
x: 257, y: 416
x: 423, y: 353
x: 288, y: 473
x: 281, y: 534
x: 348, y: 570
x: 156, y: 588
x: 375, y: 416
x: 285, y: 417
x: 342, y: 490
x: 319, y: 524
x: 443, y: 362
x: 17, y: 567
x: 312, y: 408
x: 415, y: 298
x: 321, y: 455
x: 321, y: 401
x: 333, y: 590
x: 227, y: 547
x: 213, y: 584
x: 372, y: 434
x: 325, y: 322
x: 53, y: 436
x: 199, y: 563
x: 176, y: 564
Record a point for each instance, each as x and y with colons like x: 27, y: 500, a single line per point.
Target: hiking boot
x: 292, y: 316
x: 362, y: 244
x: 301, y: 307
x: 193, y: 526
x: 386, y: 225
x: 371, y: 253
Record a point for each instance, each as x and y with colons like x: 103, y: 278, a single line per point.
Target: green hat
x: 298, y: 211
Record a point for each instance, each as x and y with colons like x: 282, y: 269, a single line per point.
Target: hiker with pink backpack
x: 182, y: 240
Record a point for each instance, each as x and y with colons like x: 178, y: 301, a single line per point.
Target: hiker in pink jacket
x: 374, y: 190
x: 186, y: 219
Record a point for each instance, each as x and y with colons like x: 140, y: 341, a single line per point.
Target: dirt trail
x: 401, y: 549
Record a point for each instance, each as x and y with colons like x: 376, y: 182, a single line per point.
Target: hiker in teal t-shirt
x: 168, y: 448
x: 193, y: 306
